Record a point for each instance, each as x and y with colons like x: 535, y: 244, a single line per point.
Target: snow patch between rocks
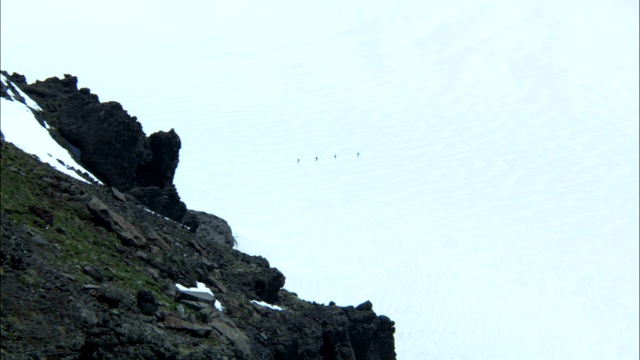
x: 199, y: 288
x: 267, y: 305
x: 30, y: 103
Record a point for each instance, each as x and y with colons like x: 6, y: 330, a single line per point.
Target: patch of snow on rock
x: 264, y: 304
x: 20, y: 127
x: 199, y: 288
x: 218, y: 305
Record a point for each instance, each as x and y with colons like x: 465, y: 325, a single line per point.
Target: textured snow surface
x: 492, y: 211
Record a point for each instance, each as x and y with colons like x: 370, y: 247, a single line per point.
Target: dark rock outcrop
x: 159, y: 171
x: 109, y: 142
x: 106, y: 140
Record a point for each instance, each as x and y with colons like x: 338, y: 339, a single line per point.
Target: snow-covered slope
x: 492, y: 211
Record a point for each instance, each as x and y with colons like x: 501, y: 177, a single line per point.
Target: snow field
x: 491, y: 212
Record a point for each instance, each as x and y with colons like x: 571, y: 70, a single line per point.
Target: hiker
x: 334, y: 156
x: 316, y: 158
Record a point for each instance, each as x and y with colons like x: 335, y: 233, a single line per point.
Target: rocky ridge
x: 90, y: 271
x: 109, y: 142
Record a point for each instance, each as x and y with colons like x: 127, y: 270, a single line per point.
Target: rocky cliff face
x: 87, y: 272
x: 109, y: 142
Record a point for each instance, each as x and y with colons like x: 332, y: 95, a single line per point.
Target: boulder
x: 268, y: 284
x: 198, y: 306
x: 172, y: 322
x: 146, y: 302
x: 232, y: 334
x: 209, y: 228
x: 254, y: 276
x: 194, y: 296
x: 117, y: 194
x: 93, y: 272
x: 105, y: 217
x: 114, y: 297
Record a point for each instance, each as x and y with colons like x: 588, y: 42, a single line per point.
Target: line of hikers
x: 334, y: 156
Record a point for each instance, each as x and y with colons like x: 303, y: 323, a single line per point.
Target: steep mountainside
x: 90, y: 271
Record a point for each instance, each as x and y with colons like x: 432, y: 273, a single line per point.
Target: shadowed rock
x: 146, y: 302
x: 159, y: 171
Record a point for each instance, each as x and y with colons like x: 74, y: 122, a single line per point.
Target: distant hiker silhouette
x: 334, y: 156
x: 358, y: 154
x: 298, y: 161
x: 316, y: 158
